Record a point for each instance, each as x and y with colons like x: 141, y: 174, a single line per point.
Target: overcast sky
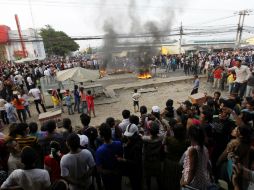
x: 87, y: 17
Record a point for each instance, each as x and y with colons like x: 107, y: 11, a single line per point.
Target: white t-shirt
x: 76, y: 166
x: 29, y: 80
x: 242, y: 73
x: 28, y: 179
x: 47, y: 72
x: 136, y: 96
x: 35, y: 92
x: 19, y: 79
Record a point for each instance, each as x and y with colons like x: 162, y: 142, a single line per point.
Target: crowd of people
x: 203, y: 62
x: 181, y: 146
x: 192, y: 146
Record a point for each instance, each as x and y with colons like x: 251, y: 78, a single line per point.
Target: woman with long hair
x: 19, y: 105
x: 52, y: 161
x: 196, y: 161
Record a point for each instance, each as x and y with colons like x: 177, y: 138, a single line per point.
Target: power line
x: 100, y: 5
x: 213, y: 20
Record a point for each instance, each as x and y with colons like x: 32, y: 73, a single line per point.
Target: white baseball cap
x: 131, y: 130
x: 83, y: 140
x: 156, y: 109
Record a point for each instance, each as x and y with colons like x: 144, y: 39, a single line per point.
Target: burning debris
x: 145, y: 75
x: 142, y: 60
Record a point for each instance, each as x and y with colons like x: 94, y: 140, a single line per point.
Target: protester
x: 14, y: 160
x: 77, y: 166
x: 3, y: 111
x: 132, y: 161
x: 125, y: 122
x: 29, y: 177
x: 60, y: 96
x: 10, y: 111
x: 76, y: 99
x: 90, y: 103
x: 250, y: 85
x: 52, y: 162
x: 152, y: 155
x: 106, y: 159
x: 196, y: 85
x: 83, y: 102
x: 68, y: 102
x: 135, y: 98
x: 20, y: 108
x: 242, y: 75
x: 55, y: 99
x: 196, y: 160
x: 36, y: 93
x: 226, y: 125
x: 26, y: 102
x: 217, y: 73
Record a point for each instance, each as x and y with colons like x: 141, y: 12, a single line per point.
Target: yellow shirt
x: 55, y: 100
x: 231, y: 78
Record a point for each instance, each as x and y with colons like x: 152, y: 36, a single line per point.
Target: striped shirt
x: 26, y: 141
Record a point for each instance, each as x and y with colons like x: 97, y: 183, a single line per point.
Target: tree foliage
x: 57, y: 42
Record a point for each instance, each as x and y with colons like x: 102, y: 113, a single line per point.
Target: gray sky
x: 86, y: 17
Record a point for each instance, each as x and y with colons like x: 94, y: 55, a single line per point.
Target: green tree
x: 57, y: 42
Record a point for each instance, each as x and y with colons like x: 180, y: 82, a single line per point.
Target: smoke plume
x: 155, y: 29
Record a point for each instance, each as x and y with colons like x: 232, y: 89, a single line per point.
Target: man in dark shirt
x: 106, y: 159
x: 250, y: 85
x: 222, y: 127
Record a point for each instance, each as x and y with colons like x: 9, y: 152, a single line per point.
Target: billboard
x: 4, y: 36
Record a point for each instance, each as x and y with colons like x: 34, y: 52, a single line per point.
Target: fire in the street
x: 145, y: 75
x: 102, y: 73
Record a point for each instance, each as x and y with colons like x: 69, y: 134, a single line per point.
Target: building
x: 11, y: 44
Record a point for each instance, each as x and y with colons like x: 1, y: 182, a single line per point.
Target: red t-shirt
x: 90, y: 100
x: 217, y: 73
x: 19, y: 105
x: 54, y: 165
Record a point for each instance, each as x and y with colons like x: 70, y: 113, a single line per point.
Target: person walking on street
x: 196, y: 85
x: 36, y: 93
x: 20, y: 108
x: 26, y: 103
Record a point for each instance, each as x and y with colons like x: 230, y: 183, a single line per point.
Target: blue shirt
x: 76, y: 95
x: 106, y: 155
x: 68, y: 100
x: 196, y: 84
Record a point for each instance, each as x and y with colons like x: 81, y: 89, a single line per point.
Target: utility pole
x: 181, y: 37
x: 239, y: 32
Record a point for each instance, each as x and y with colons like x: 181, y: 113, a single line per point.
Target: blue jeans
x: 77, y: 105
x: 230, y: 87
x: 70, y: 110
x: 83, y: 107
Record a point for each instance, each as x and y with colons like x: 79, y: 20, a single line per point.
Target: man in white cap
x: 83, y: 141
x: 132, y: 160
x: 164, y: 126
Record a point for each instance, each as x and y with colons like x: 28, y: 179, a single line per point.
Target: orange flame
x: 102, y: 73
x: 145, y: 75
